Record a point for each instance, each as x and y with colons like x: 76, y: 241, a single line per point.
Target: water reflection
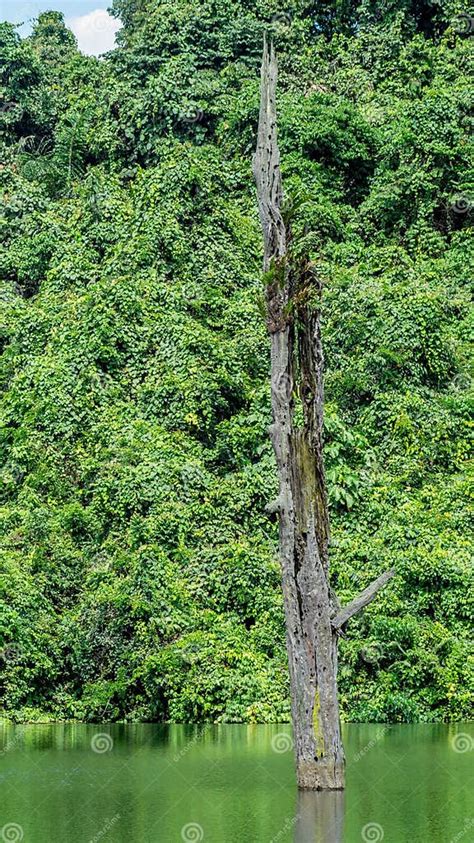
x: 319, y: 817
x: 144, y: 783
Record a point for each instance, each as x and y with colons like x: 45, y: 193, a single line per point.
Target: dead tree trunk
x: 293, y: 323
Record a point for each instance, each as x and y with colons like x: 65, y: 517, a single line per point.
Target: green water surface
x: 146, y: 783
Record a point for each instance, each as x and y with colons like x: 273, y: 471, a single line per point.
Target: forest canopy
x: 139, y: 576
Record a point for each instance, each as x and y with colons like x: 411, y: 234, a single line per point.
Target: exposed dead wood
x: 297, y: 375
x: 362, y: 600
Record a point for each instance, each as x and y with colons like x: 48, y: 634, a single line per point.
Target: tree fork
x: 312, y: 614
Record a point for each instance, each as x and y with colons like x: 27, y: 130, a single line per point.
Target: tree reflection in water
x: 319, y: 816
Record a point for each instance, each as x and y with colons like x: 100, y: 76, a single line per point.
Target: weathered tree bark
x: 362, y: 600
x: 297, y: 375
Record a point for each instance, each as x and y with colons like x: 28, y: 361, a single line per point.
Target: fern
x: 70, y: 151
x: 60, y: 163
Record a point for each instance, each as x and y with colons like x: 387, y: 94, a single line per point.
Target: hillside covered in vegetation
x: 139, y: 576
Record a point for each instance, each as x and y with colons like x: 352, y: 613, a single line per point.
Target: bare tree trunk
x: 297, y: 375
x: 296, y: 367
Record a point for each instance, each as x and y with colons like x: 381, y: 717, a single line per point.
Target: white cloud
x: 95, y: 32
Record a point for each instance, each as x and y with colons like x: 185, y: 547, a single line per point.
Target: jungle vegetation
x: 139, y: 577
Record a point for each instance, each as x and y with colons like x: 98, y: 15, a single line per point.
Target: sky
x: 93, y: 27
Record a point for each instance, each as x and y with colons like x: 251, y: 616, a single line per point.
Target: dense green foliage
x: 139, y: 576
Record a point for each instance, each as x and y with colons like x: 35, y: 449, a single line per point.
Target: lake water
x: 146, y: 783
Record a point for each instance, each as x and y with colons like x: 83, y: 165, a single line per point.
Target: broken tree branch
x: 362, y: 600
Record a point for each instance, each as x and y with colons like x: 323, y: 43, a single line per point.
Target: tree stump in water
x: 312, y: 614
